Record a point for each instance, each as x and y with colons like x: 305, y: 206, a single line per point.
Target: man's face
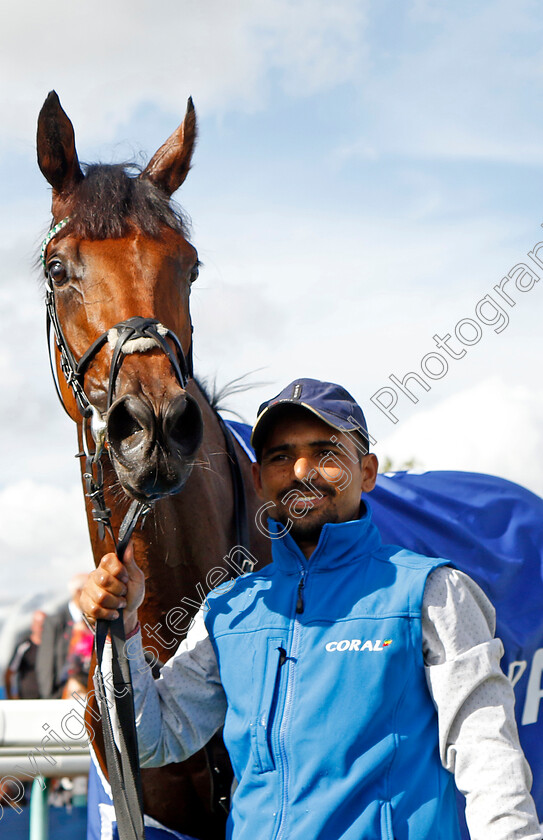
x: 311, y: 479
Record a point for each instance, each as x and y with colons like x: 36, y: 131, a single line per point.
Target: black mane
x: 217, y: 395
x: 112, y: 199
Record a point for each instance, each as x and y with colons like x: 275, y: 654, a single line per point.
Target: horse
x: 119, y: 269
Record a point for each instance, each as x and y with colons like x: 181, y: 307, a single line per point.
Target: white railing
x: 40, y: 740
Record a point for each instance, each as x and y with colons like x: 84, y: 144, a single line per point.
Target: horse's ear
x: 169, y: 167
x: 57, y: 157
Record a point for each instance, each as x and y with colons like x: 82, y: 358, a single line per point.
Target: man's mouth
x: 304, y: 501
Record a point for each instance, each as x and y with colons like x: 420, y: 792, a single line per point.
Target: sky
x: 366, y: 175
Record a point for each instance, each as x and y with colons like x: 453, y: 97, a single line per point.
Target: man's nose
x: 302, y: 468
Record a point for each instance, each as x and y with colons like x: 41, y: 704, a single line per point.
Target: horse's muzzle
x: 153, y: 451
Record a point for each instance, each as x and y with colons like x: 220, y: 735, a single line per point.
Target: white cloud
x: 352, y: 297
x: 459, y: 84
x: 105, y: 59
x: 493, y: 427
x: 44, y: 536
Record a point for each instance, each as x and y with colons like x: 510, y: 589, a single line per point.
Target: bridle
x: 131, y: 329
x: 136, y: 328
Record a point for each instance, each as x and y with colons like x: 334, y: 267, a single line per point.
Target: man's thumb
x: 128, y: 556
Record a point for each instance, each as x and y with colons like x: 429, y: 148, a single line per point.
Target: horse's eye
x: 195, y: 272
x: 57, y: 272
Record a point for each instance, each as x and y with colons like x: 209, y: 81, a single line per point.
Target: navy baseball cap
x: 328, y: 401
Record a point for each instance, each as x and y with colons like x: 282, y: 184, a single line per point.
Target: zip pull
x: 300, y: 599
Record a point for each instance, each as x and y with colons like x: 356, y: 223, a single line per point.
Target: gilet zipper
x: 288, y: 705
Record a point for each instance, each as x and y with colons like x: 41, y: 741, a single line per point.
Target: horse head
x: 119, y: 268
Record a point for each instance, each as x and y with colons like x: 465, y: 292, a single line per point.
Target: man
x: 53, y: 651
x: 20, y: 678
x: 355, y: 678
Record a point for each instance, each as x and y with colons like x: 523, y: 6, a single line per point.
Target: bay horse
x: 118, y: 260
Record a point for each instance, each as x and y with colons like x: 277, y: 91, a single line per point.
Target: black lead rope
x: 123, y: 759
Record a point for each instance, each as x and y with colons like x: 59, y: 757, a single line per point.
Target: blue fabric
x: 95, y: 795
x: 330, y: 726
x: 64, y: 823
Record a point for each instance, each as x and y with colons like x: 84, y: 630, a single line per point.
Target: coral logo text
x: 357, y: 645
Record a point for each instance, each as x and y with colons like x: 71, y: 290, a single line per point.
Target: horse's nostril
x: 129, y: 425
x: 145, y: 443
x: 183, y: 425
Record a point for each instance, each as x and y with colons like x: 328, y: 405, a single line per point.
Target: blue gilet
x: 330, y: 726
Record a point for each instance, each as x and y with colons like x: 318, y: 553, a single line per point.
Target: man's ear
x: 370, y: 466
x: 256, y: 478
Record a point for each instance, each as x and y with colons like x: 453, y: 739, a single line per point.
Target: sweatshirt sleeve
x: 177, y: 713
x: 478, y: 738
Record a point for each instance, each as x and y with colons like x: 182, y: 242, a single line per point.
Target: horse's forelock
x: 111, y: 200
